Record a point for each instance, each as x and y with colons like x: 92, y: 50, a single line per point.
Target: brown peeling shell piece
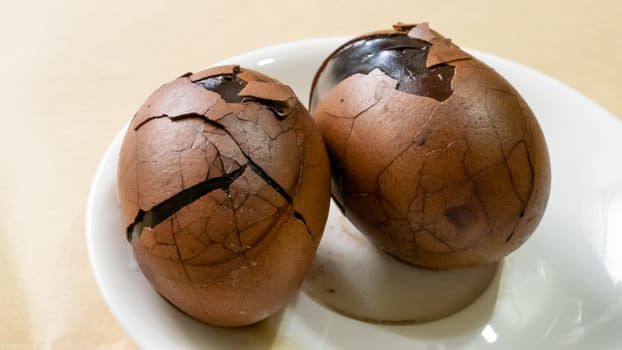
x: 224, y: 200
x: 440, y: 181
x: 441, y: 50
x: 444, y: 51
x: 281, y: 97
x: 268, y: 91
x: 214, y: 71
x: 177, y: 98
x: 422, y: 31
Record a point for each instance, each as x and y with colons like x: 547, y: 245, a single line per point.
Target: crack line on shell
x: 132, y: 228
x: 301, y: 163
x: 354, y: 118
x: 415, y: 141
x: 167, y: 208
x: 177, y: 250
x: 507, y: 163
x: 171, y: 117
x: 262, y: 173
x: 235, y: 223
x: 243, y: 252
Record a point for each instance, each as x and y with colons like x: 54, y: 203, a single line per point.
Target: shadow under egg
x: 352, y: 277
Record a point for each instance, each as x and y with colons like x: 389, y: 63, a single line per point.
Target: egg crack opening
x: 166, y: 209
x: 401, y: 57
x: 228, y: 86
x: 258, y: 170
x: 277, y: 98
x: 239, y: 91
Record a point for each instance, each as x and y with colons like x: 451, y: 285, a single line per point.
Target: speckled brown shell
x: 440, y: 184
x: 235, y: 254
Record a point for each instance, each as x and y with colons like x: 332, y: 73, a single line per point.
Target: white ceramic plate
x: 561, y: 290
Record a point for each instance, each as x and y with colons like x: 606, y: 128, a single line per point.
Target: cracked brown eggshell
x: 436, y: 158
x: 224, y: 187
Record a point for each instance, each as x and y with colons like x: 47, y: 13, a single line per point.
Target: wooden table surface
x: 73, y: 72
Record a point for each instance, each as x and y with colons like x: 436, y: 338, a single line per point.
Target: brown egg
x: 436, y: 158
x: 224, y: 186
